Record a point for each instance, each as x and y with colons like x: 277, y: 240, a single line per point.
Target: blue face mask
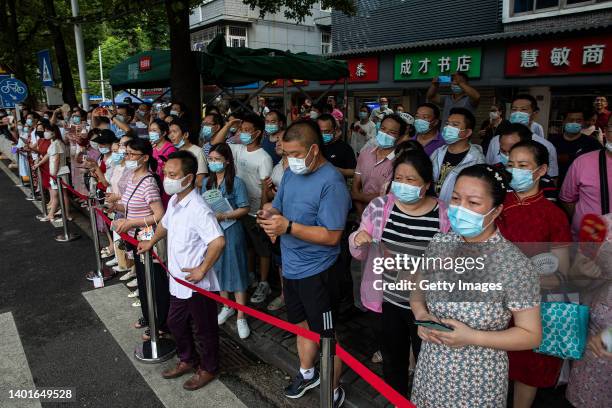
x: 520, y: 117
x: 456, y: 89
x: 328, y: 137
x: 246, y: 138
x: 467, y: 223
x: 572, y: 127
x: 522, y: 179
x: 363, y: 115
x: 104, y: 150
x: 421, y: 125
x: 117, y: 157
x: 450, y: 134
x: 29, y: 122
x: 180, y: 144
x: 154, y: 137
x: 206, y: 132
x: 384, y: 140
x: 406, y: 193
x: 271, y: 128
x: 215, y: 167
x: 503, y: 158
x: 378, y: 124
x: 120, y: 133
x: 76, y: 120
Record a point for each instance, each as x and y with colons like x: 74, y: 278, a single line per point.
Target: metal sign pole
x: 66, y: 237
x: 43, y: 202
x: 328, y: 350
x: 33, y: 196
x: 157, y: 349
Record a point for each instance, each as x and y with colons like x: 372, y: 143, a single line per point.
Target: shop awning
x: 240, y: 66
x: 147, y: 69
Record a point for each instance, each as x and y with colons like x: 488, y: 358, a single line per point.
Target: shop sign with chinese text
x: 364, y: 69
x: 423, y: 66
x: 592, y: 55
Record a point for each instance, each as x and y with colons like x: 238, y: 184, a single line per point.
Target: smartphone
x: 444, y: 79
x: 430, y: 324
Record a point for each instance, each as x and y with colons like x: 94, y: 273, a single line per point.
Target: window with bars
x: 326, y: 45
x: 237, y: 36
x: 200, y: 39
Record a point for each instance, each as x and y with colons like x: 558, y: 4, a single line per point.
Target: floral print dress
x: 473, y: 376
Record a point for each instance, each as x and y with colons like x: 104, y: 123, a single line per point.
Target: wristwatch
x: 288, y: 230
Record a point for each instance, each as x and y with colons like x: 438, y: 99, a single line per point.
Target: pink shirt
x: 374, y: 174
x: 582, y: 186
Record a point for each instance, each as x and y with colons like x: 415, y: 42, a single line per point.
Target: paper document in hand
x: 220, y: 205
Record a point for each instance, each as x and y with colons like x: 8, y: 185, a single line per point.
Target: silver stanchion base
x: 69, y: 238
x: 107, y: 274
x: 31, y: 199
x: 165, y: 351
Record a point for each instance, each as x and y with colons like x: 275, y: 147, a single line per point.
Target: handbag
x: 564, y: 329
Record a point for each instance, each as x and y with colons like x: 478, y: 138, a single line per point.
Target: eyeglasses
x: 128, y: 154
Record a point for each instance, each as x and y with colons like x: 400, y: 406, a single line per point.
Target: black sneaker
x: 299, y: 386
x: 340, y: 400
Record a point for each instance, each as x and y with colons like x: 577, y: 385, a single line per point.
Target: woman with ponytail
x: 142, y: 205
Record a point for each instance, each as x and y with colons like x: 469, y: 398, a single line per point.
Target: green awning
x: 147, y: 69
x: 239, y: 66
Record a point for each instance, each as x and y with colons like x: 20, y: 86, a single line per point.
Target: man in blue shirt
x: 308, y: 214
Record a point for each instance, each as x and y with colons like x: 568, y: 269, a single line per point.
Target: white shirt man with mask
x: 195, y: 242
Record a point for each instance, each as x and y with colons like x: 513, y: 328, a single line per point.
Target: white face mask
x: 609, y: 146
x: 298, y: 166
x: 131, y: 164
x: 172, y: 186
x: 48, y: 135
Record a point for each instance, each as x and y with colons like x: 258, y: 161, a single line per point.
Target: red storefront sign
x: 363, y: 69
x: 279, y: 83
x: 591, y: 55
x: 145, y: 63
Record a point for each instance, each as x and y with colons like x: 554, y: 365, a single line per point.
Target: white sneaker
x: 112, y: 262
x: 224, y: 314
x: 261, y: 293
x: 119, y: 269
x: 132, y: 284
x: 136, y: 303
x: 131, y: 274
x: 243, y: 328
x: 133, y: 294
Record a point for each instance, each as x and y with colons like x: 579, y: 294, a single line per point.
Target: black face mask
x: 40, y: 133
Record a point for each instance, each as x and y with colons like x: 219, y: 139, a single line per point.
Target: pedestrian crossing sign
x: 45, y: 67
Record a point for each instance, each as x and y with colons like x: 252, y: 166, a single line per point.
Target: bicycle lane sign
x: 12, y: 91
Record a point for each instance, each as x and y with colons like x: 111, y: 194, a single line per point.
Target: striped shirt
x: 410, y: 235
x: 139, y: 205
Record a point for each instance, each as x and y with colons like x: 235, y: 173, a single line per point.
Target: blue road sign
x: 12, y: 91
x: 45, y: 67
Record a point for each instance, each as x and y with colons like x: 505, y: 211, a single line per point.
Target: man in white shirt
x: 253, y: 166
x: 379, y: 113
x: 195, y: 242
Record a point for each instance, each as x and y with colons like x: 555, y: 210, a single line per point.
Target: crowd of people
x: 252, y: 199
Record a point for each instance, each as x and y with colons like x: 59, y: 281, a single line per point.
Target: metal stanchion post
x: 66, y: 236
x: 328, y: 350
x: 157, y: 349
x: 99, y: 272
x: 33, y: 197
x: 43, y: 202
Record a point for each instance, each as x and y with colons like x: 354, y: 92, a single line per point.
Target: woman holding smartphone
x: 404, y: 221
x: 468, y: 365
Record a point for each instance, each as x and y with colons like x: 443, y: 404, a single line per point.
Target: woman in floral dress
x: 468, y: 366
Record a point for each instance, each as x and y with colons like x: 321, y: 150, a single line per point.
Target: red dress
x: 542, y: 226
x: 43, y: 146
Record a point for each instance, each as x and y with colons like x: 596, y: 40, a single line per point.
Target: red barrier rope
x: 375, y: 381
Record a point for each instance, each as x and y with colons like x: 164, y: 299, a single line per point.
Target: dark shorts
x: 256, y: 236
x: 309, y: 298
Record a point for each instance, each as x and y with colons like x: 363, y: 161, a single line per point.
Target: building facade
x: 244, y: 27
x: 560, y: 51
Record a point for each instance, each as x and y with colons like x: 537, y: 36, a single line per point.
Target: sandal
x: 142, y: 323
x: 106, y: 253
x: 146, y: 336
